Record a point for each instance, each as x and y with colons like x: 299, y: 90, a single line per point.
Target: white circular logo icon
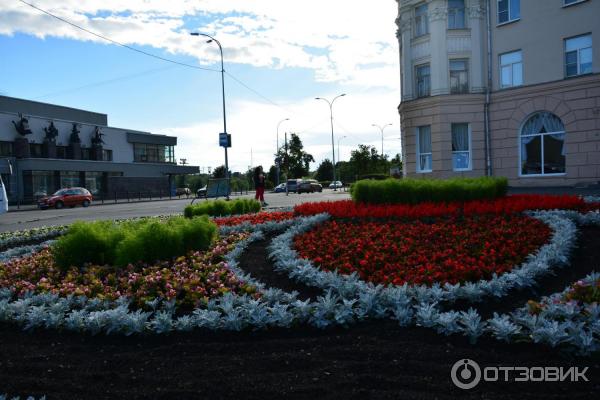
x: 465, y: 374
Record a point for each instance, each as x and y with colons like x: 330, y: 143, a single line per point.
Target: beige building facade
x: 501, y: 87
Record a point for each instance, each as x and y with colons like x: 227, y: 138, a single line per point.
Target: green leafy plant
x: 414, y: 191
x: 218, y: 208
x: 119, y: 244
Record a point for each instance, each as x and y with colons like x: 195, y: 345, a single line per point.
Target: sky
x: 279, y: 55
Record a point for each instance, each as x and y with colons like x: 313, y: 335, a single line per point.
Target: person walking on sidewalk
x: 259, y: 184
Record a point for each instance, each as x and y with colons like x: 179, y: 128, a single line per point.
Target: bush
x: 413, y: 191
x: 107, y: 242
x: 218, y: 208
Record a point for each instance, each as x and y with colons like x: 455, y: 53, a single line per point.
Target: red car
x: 70, y: 197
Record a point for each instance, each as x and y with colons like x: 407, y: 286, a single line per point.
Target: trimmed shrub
x: 109, y: 243
x: 219, y: 208
x: 414, y: 191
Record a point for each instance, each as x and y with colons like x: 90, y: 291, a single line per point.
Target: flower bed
x: 255, y: 219
x: 506, y: 205
x: 188, y: 280
x: 448, y: 251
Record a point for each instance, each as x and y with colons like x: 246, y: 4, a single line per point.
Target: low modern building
x: 49, y: 147
x: 501, y: 87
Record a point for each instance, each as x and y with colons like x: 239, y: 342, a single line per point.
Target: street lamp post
x: 381, y: 128
x: 277, y: 152
x: 210, y: 40
x: 330, y: 103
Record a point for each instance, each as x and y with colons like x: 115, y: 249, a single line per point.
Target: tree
x: 219, y: 172
x: 295, y: 161
x: 325, y: 171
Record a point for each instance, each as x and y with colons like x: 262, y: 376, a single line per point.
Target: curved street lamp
x: 330, y: 103
x: 381, y: 128
x: 277, y: 152
x: 210, y: 40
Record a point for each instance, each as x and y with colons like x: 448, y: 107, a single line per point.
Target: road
x: 34, y: 218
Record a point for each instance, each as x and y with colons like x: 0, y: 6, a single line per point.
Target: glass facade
x: 94, y: 182
x: 42, y: 183
x: 69, y: 179
x: 154, y: 153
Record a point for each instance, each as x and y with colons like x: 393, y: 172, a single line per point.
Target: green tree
x: 219, y: 172
x: 325, y: 171
x: 295, y: 161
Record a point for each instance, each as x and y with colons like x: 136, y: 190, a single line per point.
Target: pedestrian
x: 259, y: 184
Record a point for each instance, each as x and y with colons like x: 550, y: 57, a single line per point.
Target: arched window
x: 542, y: 145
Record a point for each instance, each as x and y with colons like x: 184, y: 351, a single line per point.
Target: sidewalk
x: 108, y: 202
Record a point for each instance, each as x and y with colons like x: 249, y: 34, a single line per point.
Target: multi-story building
x: 49, y: 147
x: 501, y: 87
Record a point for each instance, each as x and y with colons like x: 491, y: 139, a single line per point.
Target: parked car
x: 183, y: 191
x: 201, y: 192
x: 69, y: 197
x: 292, y: 185
x: 336, y: 185
x: 309, y: 186
x: 279, y: 188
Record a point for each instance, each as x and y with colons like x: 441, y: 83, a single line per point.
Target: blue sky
x: 288, y: 51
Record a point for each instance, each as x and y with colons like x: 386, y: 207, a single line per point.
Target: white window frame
x: 419, y: 154
x: 424, y: 21
x: 512, y: 70
x: 417, y: 93
x: 520, y: 135
x: 467, y: 68
x: 509, y: 20
x: 565, y: 4
x: 470, y: 152
x: 578, y: 55
x: 453, y: 11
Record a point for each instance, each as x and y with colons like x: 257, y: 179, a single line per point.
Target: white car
x: 335, y: 185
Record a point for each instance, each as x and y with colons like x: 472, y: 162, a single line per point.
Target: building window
x: 42, y: 183
x: 85, y: 153
x: 543, y: 145
x: 423, y: 80
x: 456, y: 14
x: 578, y: 55
x: 69, y: 179
x: 6, y: 149
x: 61, y: 152
x: 421, y: 24
x: 35, y: 150
x: 511, y: 69
x: 459, y: 76
x: 508, y: 10
x: 155, y: 153
x: 424, y: 149
x: 461, y: 147
x: 93, y: 182
x: 569, y: 2
x: 107, y: 155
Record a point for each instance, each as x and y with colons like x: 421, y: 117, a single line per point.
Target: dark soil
x: 371, y: 360
x: 583, y: 261
x: 255, y: 262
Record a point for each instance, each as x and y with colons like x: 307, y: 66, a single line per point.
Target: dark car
x: 69, y: 197
x: 292, y: 184
x: 309, y: 186
x: 279, y: 188
x: 201, y: 192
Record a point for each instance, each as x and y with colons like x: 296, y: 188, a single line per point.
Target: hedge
x: 218, y: 208
x: 413, y: 191
x: 119, y: 244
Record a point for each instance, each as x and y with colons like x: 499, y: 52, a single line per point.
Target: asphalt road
x: 19, y: 220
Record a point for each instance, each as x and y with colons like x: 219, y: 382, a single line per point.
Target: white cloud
x: 262, y: 33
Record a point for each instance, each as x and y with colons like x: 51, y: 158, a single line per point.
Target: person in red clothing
x: 259, y: 184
